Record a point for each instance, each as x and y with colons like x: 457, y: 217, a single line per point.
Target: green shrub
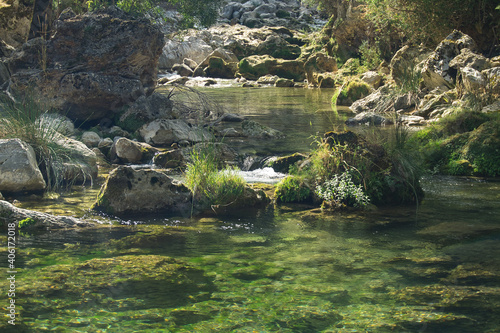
x: 292, y: 189
x: 340, y: 191
x: 370, y: 55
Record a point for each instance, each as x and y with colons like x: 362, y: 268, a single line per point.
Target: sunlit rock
x: 19, y: 168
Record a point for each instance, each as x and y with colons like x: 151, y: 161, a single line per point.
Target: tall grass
x: 209, y: 184
x: 25, y: 120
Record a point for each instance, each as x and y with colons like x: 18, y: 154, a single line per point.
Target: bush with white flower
x: 341, y: 191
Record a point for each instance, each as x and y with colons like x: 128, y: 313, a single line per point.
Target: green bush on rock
x: 355, y: 89
x: 292, y: 189
x: 340, y: 191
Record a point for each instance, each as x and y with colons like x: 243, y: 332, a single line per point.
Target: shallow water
x: 432, y: 268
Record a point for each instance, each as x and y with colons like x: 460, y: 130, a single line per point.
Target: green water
x: 287, y: 269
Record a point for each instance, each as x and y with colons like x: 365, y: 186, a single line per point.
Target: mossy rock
x: 283, y: 163
x: 253, y: 67
x: 355, y: 89
x: 133, y: 282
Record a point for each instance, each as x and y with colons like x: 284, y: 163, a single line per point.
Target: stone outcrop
x: 130, y: 191
x: 436, y: 70
x: 15, y: 21
x: 92, y: 65
x: 18, y: 167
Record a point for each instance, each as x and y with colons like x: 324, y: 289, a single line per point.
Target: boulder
x: 18, y: 167
x: 92, y: 65
x: 91, y: 139
x: 129, y: 191
x: 436, y: 70
x: 268, y: 79
x: 372, y: 78
x: 256, y: 66
x: 218, y: 68
x: 165, y: 132
x: 170, y: 159
x: 128, y: 151
x: 80, y: 164
x: 284, y: 83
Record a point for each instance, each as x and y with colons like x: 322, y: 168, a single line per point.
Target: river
x: 431, y: 268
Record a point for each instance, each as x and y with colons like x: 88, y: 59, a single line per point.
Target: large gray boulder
x: 18, y: 167
x: 80, y: 162
x: 130, y: 191
x: 128, y: 151
x: 92, y: 65
x: 163, y: 132
x: 436, y: 70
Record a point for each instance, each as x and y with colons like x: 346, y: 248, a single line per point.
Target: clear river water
x: 431, y: 268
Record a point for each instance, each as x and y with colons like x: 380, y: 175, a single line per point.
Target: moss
x: 356, y: 89
x: 292, y: 189
x: 27, y: 222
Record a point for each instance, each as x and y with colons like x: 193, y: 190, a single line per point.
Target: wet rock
x: 129, y: 191
x: 283, y: 83
x: 412, y: 120
x: 458, y: 230
x: 165, y: 132
x: 255, y: 130
x: 283, y: 163
x: 97, y: 62
x: 375, y: 102
x: 18, y: 167
x: 231, y: 117
x: 36, y: 220
x: 170, y: 159
x: 218, y: 68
